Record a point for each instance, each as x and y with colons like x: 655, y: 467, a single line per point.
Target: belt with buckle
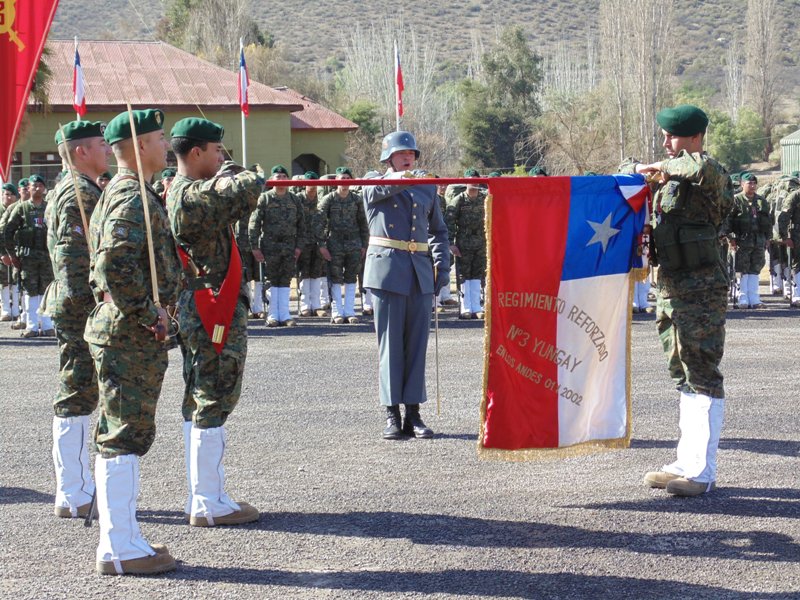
x: 398, y: 244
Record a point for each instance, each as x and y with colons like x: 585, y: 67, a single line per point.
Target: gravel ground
x: 346, y: 514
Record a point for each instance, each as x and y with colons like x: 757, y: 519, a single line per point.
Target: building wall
x: 790, y: 154
x: 270, y: 139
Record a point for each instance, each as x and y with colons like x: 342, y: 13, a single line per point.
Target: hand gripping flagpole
x: 145, y: 204
x: 77, y: 189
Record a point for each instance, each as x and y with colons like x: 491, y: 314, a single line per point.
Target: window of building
x: 46, y: 164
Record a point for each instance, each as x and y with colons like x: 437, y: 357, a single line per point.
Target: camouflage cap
x: 311, y: 175
x: 36, y: 179
x: 22, y: 183
x: 10, y: 187
x: 344, y: 171
x: 279, y: 169
x: 146, y: 121
x: 537, y: 171
x: 198, y: 129
x: 685, y: 120
x: 79, y: 130
x: 472, y: 172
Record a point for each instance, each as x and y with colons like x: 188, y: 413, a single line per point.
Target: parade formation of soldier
x: 342, y: 237
x: 203, y: 204
x: 310, y: 263
x: 9, y: 274
x: 689, y: 208
x: 277, y: 233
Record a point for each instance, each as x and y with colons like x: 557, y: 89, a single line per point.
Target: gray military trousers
x: 402, y: 324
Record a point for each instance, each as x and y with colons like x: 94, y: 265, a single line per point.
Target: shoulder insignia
x: 120, y: 232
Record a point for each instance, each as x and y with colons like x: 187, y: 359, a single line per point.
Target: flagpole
x: 244, y: 128
x: 396, y: 88
x: 77, y: 114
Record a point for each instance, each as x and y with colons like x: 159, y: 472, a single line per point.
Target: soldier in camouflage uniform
x: 203, y: 207
x: 8, y: 274
x: 103, y: 179
x: 789, y: 232
x: 444, y: 298
x: 26, y: 243
x: 749, y: 228
x: 776, y: 194
x: 690, y: 205
x: 309, y: 264
x: 126, y: 333
x: 277, y: 236
x: 465, y: 216
x: 69, y: 300
x: 342, y: 234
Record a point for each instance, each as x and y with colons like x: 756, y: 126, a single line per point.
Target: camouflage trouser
x: 777, y: 253
x: 310, y: 262
x: 36, y: 273
x: 8, y: 275
x: 472, y: 263
x: 279, y: 265
x: 78, y: 392
x: 345, y: 264
x: 750, y: 260
x: 692, y: 332
x: 129, y: 378
x: 213, y: 381
x: 249, y: 264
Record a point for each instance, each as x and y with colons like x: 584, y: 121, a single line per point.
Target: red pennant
x: 23, y: 31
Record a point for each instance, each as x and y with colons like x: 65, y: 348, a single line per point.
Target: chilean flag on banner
x: 559, y: 285
x: 78, y: 85
x: 244, y: 83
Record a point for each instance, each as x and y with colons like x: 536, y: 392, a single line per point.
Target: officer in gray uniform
x: 406, y: 231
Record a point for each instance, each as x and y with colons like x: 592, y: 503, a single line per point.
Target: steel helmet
x: 396, y: 141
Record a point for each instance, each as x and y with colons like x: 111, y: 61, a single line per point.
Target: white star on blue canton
x: 602, y: 232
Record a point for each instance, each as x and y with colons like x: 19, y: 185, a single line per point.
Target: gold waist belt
x: 398, y: 244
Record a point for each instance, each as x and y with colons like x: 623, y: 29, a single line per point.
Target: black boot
x: 392, y: 431
x: 413, y: 424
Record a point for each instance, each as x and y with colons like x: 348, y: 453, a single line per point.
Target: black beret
x: 685, y: 120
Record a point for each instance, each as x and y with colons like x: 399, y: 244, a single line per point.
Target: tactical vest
x: 685, y: 239
x: 32, y: 236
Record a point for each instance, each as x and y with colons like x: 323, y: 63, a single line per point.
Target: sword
x: 436, y: 338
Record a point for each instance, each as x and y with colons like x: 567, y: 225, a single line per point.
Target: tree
x: 763, y: 34
x: 735, y: 144
x: 734, y: 82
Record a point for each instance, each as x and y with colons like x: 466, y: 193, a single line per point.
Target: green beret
x: 795, y: 174
x: 590, y: 174
x: 537, y: 171
x: 198, y: 129
x: 168, y: 172
x: 279, y: 169
x: 311, y: 175
x: 471, y: 172
x: 748, y: 176
x: 105, y: 175
x: 147, y: 121
x: 79, y: 130
x: 36, y: 179
x: 495, y: 174
x: 685, y: 120
x: 22, y: 183
x: 10, y: 187
x: 344, y: 171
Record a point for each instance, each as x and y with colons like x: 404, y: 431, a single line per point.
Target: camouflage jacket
x: 309, y: 212
x: 789, y: 218
x: 66, y: 240
x: 120, y: 264
x: 465, y: 219
x: 26, y: 229
x: 277, y: 222
x: 202, y: 214
x: 341, y: 222
x: 5, y: 212
x: 750, y: 221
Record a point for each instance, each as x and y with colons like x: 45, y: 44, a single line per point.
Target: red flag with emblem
x: 23, y: 31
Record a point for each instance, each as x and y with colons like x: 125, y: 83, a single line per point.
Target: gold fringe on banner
x: 531, y: 454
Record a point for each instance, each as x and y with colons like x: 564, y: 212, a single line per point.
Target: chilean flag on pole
x: 559, y: 308
x: 78, y: 85
x: 398, y: 79
x: 244, y: 83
